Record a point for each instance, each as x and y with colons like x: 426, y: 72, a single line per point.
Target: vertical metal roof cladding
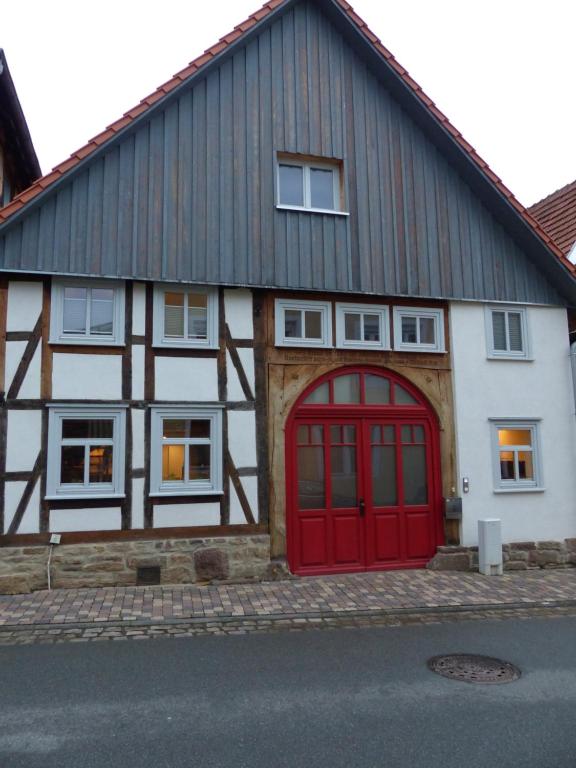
x: 182, y: 188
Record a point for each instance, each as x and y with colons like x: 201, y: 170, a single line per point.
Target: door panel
x: 313, y: 549
x: 347, y: 539
x: 386, y: 537
x: 418, y: 534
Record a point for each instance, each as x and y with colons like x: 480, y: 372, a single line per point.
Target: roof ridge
x: 239, y: 30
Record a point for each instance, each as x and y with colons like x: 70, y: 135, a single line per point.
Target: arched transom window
x: 359, y: 388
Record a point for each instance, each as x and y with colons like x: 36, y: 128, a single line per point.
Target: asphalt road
x: 350, y: 698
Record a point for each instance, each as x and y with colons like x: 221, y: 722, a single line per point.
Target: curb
x: 276, y: 617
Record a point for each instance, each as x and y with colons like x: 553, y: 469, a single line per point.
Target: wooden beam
x: 26, y: 496
x: 239, y: 488
x: 237, y: 363
x: 46, y: 363
x: 222, y: 397
x: 24, y: 364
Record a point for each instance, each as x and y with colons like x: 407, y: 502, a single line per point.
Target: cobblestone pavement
x: 307, y: 597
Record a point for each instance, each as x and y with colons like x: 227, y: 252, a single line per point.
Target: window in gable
x: 311, y: 185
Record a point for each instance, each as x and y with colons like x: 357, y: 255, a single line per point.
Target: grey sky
x: 504, y: 71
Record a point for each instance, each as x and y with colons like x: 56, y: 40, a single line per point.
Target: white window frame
x: 57, y: 335
x: 437, y: 315
x: 507, y: 354
x: 364, y: 309
x: 212, y: 413
x: 307, y: 165
x: 324, y: 307
x: 517, y: 486
x: 57, y: 413
x: 160, y: 340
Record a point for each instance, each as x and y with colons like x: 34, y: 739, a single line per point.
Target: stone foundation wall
x: 517, y: 556
x: 24, y: 569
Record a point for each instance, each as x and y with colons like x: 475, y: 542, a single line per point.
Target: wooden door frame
x: 423, y: 410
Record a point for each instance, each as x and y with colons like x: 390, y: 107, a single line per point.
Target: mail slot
x: 453, y: 508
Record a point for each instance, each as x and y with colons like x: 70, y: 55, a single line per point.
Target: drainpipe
x: 573, y: 367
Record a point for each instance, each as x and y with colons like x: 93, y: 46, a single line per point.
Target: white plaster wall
x: 183, y: 515
x: 539, y: 389
x: 138, y: 417
x: 242, y: 438
x: 138, y: 503
x: 139, y: 309
x: 30, y: 388
x: 24, y: 305
x: 31, y: 520
x: 238, y: 312
x: 23, y: 440
x: 86, y: 377
x: 250, y: 486
x: 138, y: 352
x: 62, y: 520
x: 189, y: 379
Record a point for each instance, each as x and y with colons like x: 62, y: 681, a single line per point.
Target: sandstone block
x: 211, y: 564
x: 526, y: 545
x: 550, y: 545
x: 15, y: 585
x: 516, y: 565
x: 444, y: 562
x: 570, y: 545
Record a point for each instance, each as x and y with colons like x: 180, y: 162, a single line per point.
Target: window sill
x: 305, y: 344
x: 365, y: 347
x: 421, y: 350
x: 511, y: 358
x: 537, y: 489
x: 185, y: 345
x: 301, y: 209
x: 186, y: 492
x: 83, y: 496
x: 87, y: 341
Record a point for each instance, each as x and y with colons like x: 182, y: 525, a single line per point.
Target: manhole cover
x: 474, y: 669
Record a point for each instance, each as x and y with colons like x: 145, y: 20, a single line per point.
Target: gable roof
x: 556, y: 214
x: 20, y: 154
x: 540, y: 246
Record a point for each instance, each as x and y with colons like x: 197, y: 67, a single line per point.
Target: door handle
x: 362, y: 506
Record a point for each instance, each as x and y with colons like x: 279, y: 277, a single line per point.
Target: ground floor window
x: 516, y: 455
x: 86, y: 451
x: 186, y: 450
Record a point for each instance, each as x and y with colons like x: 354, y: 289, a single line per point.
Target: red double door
x: 362, y: 493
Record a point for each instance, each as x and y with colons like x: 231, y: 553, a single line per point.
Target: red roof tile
x: 557, y: 215
x: 240, y: 29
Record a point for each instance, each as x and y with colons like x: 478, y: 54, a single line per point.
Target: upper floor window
x: 185, y: 316
x: 361, y: 326
x: 312, y: 185
x: 87, y: 312
x: 419, y: 329
x: 507, y: 332
x: 303, y: 323
x: 86, y: 451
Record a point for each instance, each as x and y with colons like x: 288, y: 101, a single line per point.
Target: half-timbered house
x: 280, y: 309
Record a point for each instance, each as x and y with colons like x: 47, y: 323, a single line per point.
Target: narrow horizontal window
x: 507, y: 332
x: 186, y: 451
x: 303, y: 323
x: 185, y: 316
x: 313, y: 185
x: 87, y: 312
x: 85, y: 452
x: 419, y: 330
x: 361, y: 326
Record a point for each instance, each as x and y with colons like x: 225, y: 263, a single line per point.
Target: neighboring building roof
x: 556, y: 214
x: 19, y: 154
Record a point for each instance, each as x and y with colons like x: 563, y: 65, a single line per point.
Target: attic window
x: 309, y: 185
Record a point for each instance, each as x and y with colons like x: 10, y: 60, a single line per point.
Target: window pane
x: 100, y: 467
x: 302, y: 435
x: 352, y: 326
x: 322, y: 188
x: 183, y: 428
x: 499, y: 330
x: 311, y: 478
x: 87, y: 428
x: 172, y: 462
x: 371, y: 327
x: 174, y: 315
x: 74, y: 320
x: 514, y: 437
x: 291, y: 185
x: 72, y: 464
x: 320, y: 395
x: 197, y: 316
x: 316, y: 434
x: 409, y: 330
x: 414, y: 471
x: 403, y: 397
x: 377, y: 389
x: 384, y: 475
x: 525, y: 467
x: 427, y: 335
x: 515, y: 331
x: 102, y: 312
x: 507, y: 465
x: 199, y: 462
x: 418, y: 433
x: 347, y: 388
x: 313, y: 321
x: 293, y: 323
x: 343, y: 476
